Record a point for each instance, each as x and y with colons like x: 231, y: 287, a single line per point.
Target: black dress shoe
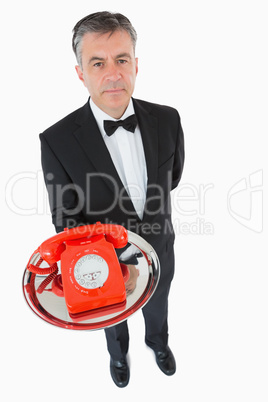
x: 166, y: 361
x: 119, y: 372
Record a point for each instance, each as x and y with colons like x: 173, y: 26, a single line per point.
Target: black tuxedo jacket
x: 84, y: 186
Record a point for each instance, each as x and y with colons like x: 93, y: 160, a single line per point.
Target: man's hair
x: 102, y: 22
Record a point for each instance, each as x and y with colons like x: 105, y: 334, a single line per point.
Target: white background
x: 208, y: 59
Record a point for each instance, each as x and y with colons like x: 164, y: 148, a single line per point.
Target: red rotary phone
x: 92, y: 279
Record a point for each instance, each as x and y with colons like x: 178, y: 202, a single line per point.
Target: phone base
x: 98, y: 312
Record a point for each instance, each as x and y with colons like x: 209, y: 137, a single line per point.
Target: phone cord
x: 52, y: 270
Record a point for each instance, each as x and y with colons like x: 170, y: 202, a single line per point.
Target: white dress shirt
x: 127, y: 153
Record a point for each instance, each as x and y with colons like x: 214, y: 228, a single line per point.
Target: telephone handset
x: 91, y: 276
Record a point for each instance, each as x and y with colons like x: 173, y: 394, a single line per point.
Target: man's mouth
x: 114, y: 90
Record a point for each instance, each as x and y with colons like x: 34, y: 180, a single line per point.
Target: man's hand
x: 132, y: 281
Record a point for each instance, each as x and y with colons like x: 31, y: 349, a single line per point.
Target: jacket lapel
x: 91, y: 141
x: 148, y: 124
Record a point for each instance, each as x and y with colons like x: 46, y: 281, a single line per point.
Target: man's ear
x: 80, y: 74
x: 137, y: 68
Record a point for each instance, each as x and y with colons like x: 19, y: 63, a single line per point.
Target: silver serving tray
x: 52, y: 308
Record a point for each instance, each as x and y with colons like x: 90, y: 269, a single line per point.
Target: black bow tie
x: 129, y: 124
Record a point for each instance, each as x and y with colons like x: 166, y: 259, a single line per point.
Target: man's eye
x: 122, y: 61
x: 98, y: 64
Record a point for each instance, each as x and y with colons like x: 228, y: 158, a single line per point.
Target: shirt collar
x: 100, y: 115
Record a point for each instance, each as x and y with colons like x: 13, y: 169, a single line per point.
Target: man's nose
x: 113, y: 73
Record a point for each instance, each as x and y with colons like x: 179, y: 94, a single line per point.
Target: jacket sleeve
x: 62, y: 192
x: 178, y: 156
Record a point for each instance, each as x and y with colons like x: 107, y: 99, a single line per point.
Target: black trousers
x: 155, y: 314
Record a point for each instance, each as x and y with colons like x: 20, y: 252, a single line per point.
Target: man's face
x: 109, y: 70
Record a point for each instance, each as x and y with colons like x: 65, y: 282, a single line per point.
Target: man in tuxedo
x: 115, y: 160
